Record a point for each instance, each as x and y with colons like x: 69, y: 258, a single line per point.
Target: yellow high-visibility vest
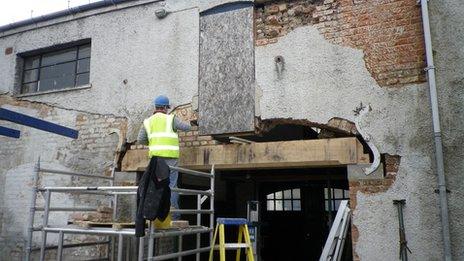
x: 163, y: 141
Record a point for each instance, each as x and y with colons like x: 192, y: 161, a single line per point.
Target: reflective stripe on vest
x: 163, y: 141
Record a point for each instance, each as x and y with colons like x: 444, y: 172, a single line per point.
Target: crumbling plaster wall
x: 93, y: 153
x: 320, y: 80
x: 154, y: 56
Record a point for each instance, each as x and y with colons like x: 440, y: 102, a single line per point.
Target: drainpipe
x: 437, y: 132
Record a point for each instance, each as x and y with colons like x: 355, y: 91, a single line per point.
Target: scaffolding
x: 120, y: 234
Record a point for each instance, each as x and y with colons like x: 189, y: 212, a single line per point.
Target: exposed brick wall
x: 392, y: 165
x: 191, y: 138
x: 372, y: 186
x: 277, y: 19
x: 344, y: 125
x: 93, y: 152
x: 388, y: 31
x: 96, y: 139
x: 187, y: 138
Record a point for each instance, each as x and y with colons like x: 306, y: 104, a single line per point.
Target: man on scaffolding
x: 159, y: 132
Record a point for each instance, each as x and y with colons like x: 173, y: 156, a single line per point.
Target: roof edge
x: 62, y: 13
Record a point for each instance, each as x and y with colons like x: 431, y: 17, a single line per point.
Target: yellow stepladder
x: 242, y: 232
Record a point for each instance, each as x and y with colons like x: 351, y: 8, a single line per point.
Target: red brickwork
x: 388, y: 31
x: 191, y: 138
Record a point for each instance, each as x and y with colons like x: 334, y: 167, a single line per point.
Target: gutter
x: 437, y: 132
x: 69, y: 11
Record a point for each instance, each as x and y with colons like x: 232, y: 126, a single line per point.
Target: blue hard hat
x: 161, y: 101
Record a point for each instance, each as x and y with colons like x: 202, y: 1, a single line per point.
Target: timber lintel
x: 262, y: 155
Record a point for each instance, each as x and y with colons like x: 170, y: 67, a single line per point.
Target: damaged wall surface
x: 398, y: 123
x: 92, y: 153
x: 134, y: 57
x: 319, y: 78
x: 314, y: 60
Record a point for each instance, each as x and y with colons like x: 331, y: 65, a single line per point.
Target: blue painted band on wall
x: 26, y: 120
x: 4, y: 131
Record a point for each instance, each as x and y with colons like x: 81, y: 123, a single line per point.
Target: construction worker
x: 159, y: 132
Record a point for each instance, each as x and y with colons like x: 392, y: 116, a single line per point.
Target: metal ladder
x: 336, y: 240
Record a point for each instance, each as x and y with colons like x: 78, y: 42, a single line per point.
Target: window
x: 337, y: 196
x: 55, y: 70
x: 287, y: 200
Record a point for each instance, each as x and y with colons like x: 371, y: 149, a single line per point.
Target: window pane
x: 57, y: 71
x: 31, y: 75
x: 31, y: 62
x: 326, y: 193
x: 82, y: 79
x: 338, y: 193
x: 278, y: 195
x: 59, y: 57
x: 296, y: 193
x: 270, y: 196
x: 288, y: 194
x: 287, y: 205
x: 278, y: 205
x: 83, y: 65
x: 297, y: 205
x: 56, y: 83
x: 84, y: 51
x: 270, y: 205
x: 337, y: 204
x: 326, y: 205
x: 29, y: 87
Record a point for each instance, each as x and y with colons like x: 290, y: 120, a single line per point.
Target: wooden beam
x: 261, y: 155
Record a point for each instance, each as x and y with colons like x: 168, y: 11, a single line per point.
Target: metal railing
x: 116, y: 191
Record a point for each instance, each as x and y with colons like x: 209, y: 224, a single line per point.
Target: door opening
x: 297, y: 207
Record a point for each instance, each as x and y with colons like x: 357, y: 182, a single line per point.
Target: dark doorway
x: 296, y: 208
x: 292, y: 221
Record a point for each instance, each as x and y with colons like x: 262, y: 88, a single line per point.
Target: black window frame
x: 272, y: 198
x: 334, y: 199
x: 78, y: 46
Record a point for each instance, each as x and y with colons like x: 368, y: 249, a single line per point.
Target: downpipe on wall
x: 437, y: 131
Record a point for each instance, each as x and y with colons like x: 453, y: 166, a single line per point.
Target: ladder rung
x: 233, y: 246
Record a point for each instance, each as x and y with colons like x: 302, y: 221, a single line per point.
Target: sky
x: 16, y: 10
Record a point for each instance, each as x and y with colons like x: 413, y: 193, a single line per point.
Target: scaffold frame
x: 114, y: 192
